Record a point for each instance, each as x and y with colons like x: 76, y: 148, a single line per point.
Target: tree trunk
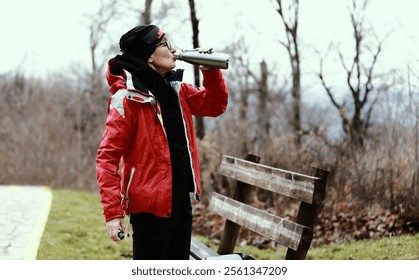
x: 199, y: 121
x: 291, y: 28
x: 263, y: 123
x: 145, y: 17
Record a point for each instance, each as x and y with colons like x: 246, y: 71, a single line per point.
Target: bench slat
x: 294, y: 185
x: 287, y: 233
x: 199, y: 251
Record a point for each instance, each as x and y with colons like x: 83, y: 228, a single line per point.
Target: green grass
x: 392, y: 248
x: 76, y: 231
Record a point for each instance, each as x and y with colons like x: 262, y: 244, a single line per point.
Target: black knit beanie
x: 141, y: 41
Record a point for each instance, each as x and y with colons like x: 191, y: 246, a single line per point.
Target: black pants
x: 156, y: 238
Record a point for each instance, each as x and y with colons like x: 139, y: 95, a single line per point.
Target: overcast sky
x: 48, y: 35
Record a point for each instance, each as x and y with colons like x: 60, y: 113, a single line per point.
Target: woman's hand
x: 114, y: 226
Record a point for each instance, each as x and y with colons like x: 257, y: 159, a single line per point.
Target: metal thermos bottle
x: 207, y: 59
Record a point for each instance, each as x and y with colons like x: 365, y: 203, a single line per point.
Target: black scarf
x: 144, y: 77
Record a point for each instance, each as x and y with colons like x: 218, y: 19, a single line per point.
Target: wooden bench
x: 296, y: 235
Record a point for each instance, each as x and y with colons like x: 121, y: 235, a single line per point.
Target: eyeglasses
x: 167, y: 44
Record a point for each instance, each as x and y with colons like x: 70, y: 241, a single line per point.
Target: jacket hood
x: 116, y: 77
x: 118, y: 67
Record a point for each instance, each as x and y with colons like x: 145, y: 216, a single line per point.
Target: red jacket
x: 137, y: 146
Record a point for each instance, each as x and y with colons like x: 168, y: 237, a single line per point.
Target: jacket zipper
x: 129, y: 185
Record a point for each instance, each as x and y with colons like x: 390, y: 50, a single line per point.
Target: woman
x: 149, y: 133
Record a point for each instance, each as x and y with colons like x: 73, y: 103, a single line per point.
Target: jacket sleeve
x: 209, y: 100
x: 116, y: 137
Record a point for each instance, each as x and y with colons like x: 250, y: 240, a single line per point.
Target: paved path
x: 24, y: 212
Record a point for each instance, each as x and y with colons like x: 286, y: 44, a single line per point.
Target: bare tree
x: 359, y: 78
x: 262, y: 114
x: 257, y: 98
x: 159, y: 13
x: 99, y: 22
x: 292, y: 46
x: 91, y: 93
x: 145, y: 15
x: 195, y: 36
x: 241, y: 86
x: 199, y: 121
x: 414, y: 110
x: 413, y: 88
x: 98, y: 25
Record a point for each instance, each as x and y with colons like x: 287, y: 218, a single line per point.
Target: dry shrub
x: 369, y: 180
x: 47, y: 132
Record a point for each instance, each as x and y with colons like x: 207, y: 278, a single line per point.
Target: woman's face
x: 162, y: 59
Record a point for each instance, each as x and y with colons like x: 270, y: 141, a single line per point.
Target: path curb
x: 24, y: 211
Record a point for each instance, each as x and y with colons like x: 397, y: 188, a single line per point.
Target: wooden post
x: 307, y: 214
x: 231, y: 231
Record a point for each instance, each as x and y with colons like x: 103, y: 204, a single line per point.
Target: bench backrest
x: 295, y: 235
